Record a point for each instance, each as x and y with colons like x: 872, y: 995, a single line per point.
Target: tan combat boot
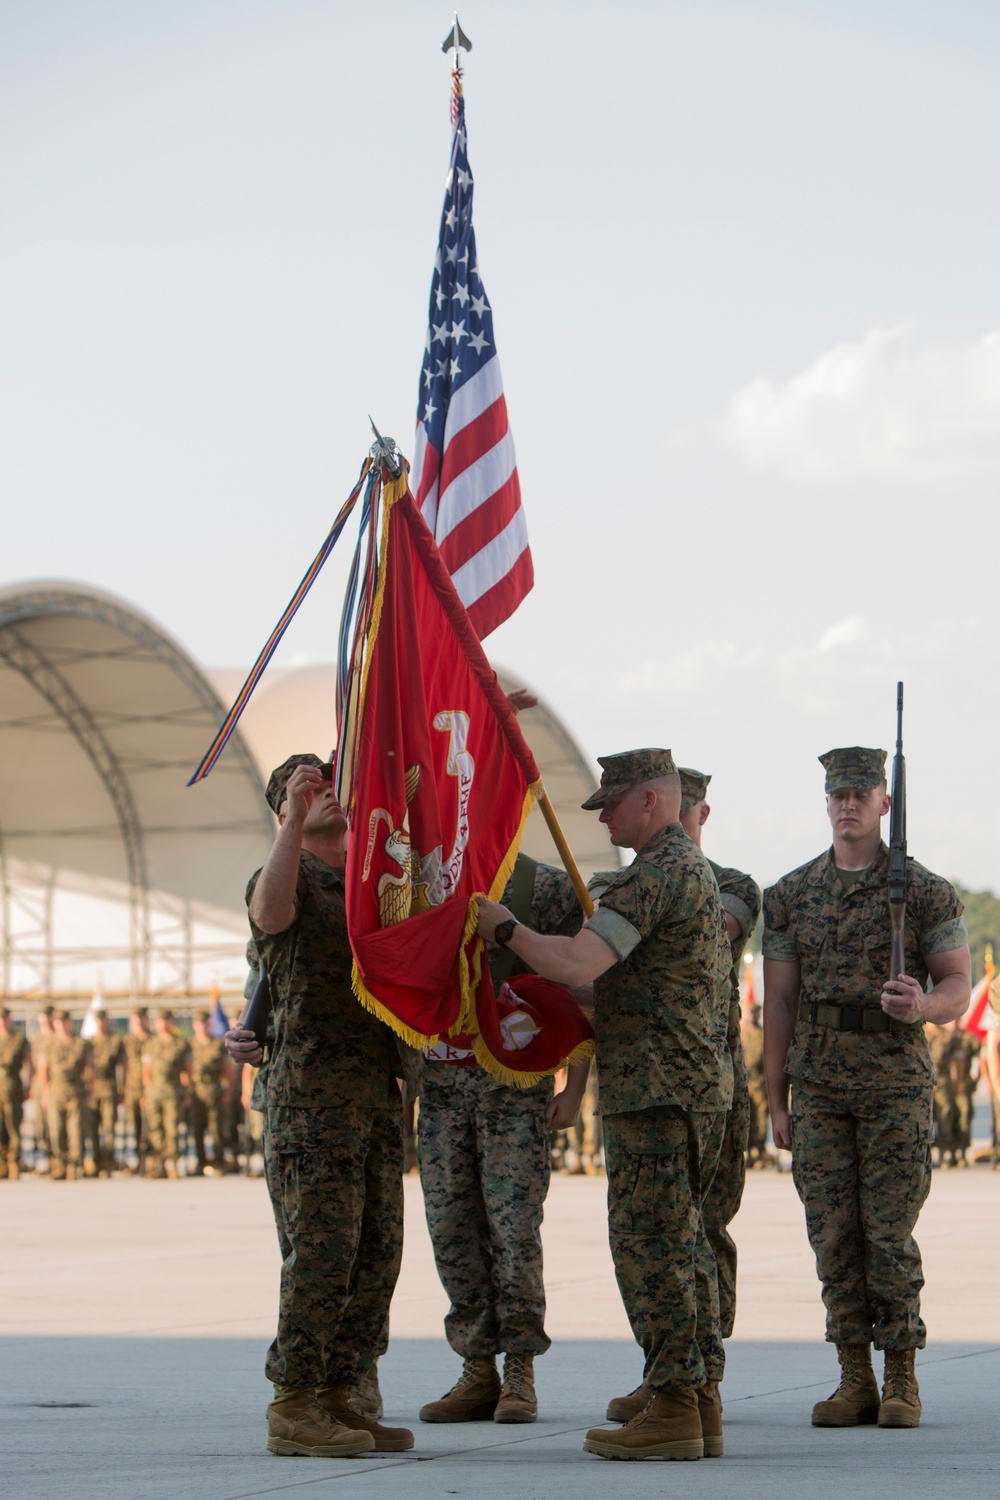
x: 900, y: 1394
x: 473, y: 1397
x: 298, y: 1426
x: 670, y: 1427
x: 366, y: 1395
x: 855, y: 1400
x: 336, y: 1401
x: 518, y: 1402
x: 14, y: 1171
x: 710, y: 1412
x: 624, y: 1408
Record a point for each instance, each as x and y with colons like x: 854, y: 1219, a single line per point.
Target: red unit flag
x: 441, y: 784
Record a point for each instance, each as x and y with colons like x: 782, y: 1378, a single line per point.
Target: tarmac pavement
x: 134, y: 1318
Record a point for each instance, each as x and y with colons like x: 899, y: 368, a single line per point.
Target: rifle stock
x: 897, y: 847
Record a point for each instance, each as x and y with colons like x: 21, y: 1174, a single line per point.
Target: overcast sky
x: 742, y: 259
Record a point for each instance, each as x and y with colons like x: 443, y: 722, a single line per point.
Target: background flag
x: 979, y: 999
x: 442, y: 784
x: 464, y: 475
x: 88, y: 1026
x: 219, y: 1022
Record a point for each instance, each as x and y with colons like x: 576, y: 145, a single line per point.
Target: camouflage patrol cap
x: 279, y: 778
x: 165, y: 1015
x: 60, y: 1015
x: 694, y: 785
x: 49, y: 1010
x: 854, y: 766
x: 629, y: 768
x: 201, y: 1015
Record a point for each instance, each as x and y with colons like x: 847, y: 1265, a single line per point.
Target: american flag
x: 464, y: 475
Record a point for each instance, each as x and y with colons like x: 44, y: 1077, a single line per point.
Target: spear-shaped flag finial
x: 384, y: 451
x: 456, y: 38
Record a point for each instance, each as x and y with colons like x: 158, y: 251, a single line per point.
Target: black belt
x: 852, y: 1018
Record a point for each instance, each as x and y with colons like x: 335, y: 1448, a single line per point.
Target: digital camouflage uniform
x: 208, y: 1063
x: 741, y: 899
x: 133, y: 1047
x: 485, y: 1171
x: 965, y: 1077
x: 106, y: 1054
x: 13, y: 1056
x: 40, y: 1120
x: 66, y: 1060
x: 661, y: 1016
x: 166, y: 1057
x: 333, y: 1145
x: 860, y: 1100
x: 752, y: 1041
x: 586, y: 1136
x: 940, y: 1041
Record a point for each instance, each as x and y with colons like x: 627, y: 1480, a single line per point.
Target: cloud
x: 886, y: 407
x: 845, y: 633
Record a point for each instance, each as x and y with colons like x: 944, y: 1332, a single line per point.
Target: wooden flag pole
x: 566, y: 854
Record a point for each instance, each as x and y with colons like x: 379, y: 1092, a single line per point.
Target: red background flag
x: 443, y: 782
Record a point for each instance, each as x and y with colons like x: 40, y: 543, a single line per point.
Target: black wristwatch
x: 505, y: 931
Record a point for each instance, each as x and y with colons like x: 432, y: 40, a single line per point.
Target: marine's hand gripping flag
x: 464, y: 471
x: 442, y: 782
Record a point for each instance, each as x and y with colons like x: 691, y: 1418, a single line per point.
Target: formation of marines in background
x: 114, y: 1132
x: 111, y: 1103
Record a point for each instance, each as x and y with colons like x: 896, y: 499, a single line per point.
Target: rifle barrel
x: 897, y: 847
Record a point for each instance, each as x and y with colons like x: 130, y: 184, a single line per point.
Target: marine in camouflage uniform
x: 940, y: 1040
x: 333, y: 1140
x: 139, y: 1036
x: 586, y: 1136
x: 485, y: 1171
x: 965, y: 1077
x: 852, y: 1043
x: 14, y: 1054
x: 659, y: 952
x: 65, y: 1064
x: 208, y: 1065
x: 106, y: 1056
x: 165, y: 1064
x: 39, y: 1114
x: 752, y: 1042
x: 741, y: 902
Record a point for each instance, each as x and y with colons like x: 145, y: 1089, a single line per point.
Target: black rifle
x: 897, y: 846
x: 258, y: 1012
